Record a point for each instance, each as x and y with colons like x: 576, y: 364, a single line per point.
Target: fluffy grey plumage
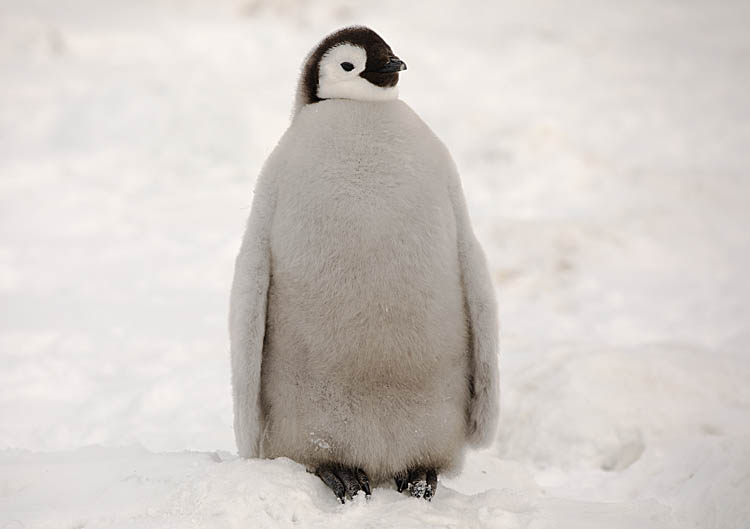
x: 363, y: 322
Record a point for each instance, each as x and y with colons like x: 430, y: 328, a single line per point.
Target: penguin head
x: 351, y: 63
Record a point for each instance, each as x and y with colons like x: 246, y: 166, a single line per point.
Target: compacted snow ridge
x: 603, y: 151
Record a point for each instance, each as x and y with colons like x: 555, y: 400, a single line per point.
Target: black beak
x: 394, y: 64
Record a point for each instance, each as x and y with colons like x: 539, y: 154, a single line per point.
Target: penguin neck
x: 367, y: 92
x: 350, y: 116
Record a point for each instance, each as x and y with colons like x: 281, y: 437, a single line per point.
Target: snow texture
x: 603, y: 151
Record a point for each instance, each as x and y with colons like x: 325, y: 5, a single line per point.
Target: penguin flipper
x: 247, y: 321
x: 479, y: 297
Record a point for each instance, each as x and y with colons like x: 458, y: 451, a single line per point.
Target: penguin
x: 363, y: 321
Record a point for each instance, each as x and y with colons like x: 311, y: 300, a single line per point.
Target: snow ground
x: 603, y: 151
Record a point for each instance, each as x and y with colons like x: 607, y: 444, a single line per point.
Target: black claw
x: 328, y: 476
x: 431, y: 484
x: 349, y: 479
x: 364, y: 481
x: 402, y: 481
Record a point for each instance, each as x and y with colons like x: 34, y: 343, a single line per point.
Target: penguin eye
x: 347, y: 66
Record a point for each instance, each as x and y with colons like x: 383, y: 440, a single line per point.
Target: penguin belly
x: 365, y: 356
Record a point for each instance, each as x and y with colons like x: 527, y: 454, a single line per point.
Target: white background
x: 604, y: 152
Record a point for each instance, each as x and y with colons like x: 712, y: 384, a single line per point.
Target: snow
x: 603, y: 151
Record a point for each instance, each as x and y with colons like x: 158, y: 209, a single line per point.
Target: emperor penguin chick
x: 362, y: 318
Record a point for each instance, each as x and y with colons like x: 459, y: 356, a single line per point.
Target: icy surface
x: 603, y: 147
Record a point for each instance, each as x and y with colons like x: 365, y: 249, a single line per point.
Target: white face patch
x: 335, y: 81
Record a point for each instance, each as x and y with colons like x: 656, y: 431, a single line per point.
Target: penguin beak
x: 394, y: 64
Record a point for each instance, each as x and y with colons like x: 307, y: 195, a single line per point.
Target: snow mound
x: 133, y: 488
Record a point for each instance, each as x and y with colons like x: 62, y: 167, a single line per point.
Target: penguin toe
x: 420, y: 482
x: 329, y: 477
x: 431, y: 489
x: 344, y: 482
x: 350, y: 481
x: 402, y: 481
x: 364, y: 481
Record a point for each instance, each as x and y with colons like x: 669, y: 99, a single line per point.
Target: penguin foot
x: 343, y: 481
x: 420, y: 482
